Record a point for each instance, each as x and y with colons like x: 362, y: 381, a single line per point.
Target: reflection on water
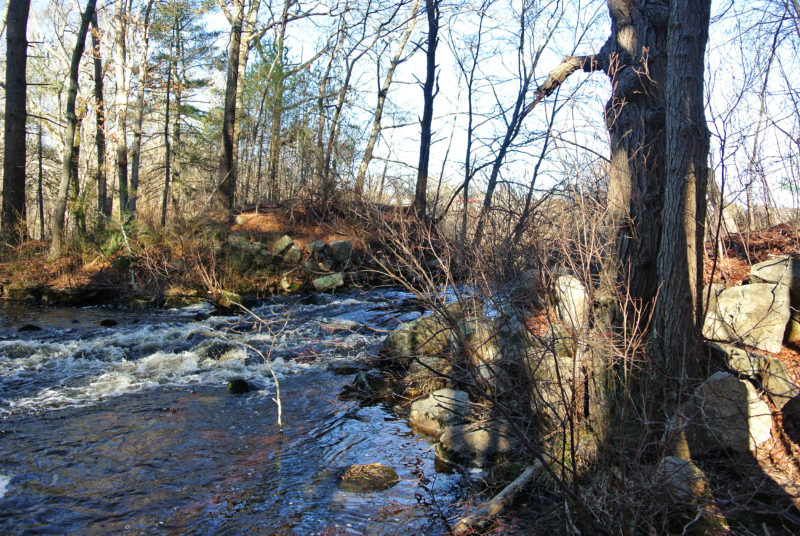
x: 129, y: 430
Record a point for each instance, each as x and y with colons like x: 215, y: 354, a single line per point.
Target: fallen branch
x: 491, y: 508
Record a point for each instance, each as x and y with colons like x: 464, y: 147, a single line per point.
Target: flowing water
x: 130, y: 429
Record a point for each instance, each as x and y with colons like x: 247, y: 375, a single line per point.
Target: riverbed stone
x: 476, y: 444
x: 429, y: 335
x: 445, y: 406
x: 731, y: 415
x: 365, y: 478
x: 315, y: 247
x: 329, y: 282
x: 228, y: 299
x: 238, y: 386
x: 754, y: 314
x: 427, y: 374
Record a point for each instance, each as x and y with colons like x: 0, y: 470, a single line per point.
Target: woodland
x: 640, y: 146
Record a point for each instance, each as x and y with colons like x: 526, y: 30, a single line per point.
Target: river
x: 130, y: 428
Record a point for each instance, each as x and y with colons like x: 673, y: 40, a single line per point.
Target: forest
x: 599, y: 176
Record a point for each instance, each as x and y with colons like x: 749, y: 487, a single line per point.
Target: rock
x: 240, y: 219
x: 370, y: 384
x: 108, y: 322
x: 425, y: 375
x: 769, y: 371
x: 282, y: 245
x: 238, y: 386
x: 784, y: 270
x: 754, y: 314
x: 346, y: 369
x: 731, y: 415
x: 429, y: 335
x: 680, y: 479
x: 445, y: 406
x: 228, y: 300
x: 792, y: 334
x: 369, y: 477
x: 315, y: 247
x: 476, y: 444
x: 329, y: 282
x: 29, y: 327
x: 549, y: 364
x: 572, y: 302
x: 777, y: 383
x: 341, y: 250
x: 293, y: 256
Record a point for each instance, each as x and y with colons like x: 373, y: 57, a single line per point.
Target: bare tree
x: 421, y: 191
x: 69, y: 158
x: 103, y: 201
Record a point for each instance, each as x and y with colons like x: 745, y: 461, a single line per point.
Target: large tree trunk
x: 679, y: 318
x: 141, y: 82
x: 13, y: 213
x: 167, y: 147
x: 68, y: 158
x: 121, y: 107
x: 103, y: 205
x: 226, y: 171
x: 421, y: 191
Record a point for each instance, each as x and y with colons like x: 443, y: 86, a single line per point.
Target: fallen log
x: 491, y: 508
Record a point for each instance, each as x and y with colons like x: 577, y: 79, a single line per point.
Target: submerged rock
x: 108, y: 322
x: 368, y: 477
x: 29, y: 327
x: 329, y: 282
x: 238, y: 386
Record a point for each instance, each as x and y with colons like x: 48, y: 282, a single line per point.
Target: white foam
x: 4, y: 482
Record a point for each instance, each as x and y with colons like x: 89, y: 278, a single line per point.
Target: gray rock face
x: 769, y: 371
x: 572, y: 302
x: 341, y: 250
x: 754, y: 314
x: 784, y: 269
x: 477, y: 443
x: 731, y: 415
x: 445, y: 406
x: 329, y: 282
x: 429, y: 335
x: 550, y: 364
x: 282, y: 245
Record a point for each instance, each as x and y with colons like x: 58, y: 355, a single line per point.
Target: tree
x: 420, y: 196
x: 659, y: 147
x: 13, y: 213
x: 68, y: 162
x: 103, y: 201
x: 121, y: 104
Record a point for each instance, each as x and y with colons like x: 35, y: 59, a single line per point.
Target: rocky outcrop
x: 784, y: 270
x: 572, y: 302
x: 755, y: 315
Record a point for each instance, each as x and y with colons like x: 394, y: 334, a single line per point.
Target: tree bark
x: 226, y: 171
x: 103, y: 205
x: 13, y: 212
x: 421, y: 190
x: 141, y: 82
x: 121, y: 107
x: 69, y: 132
x: 679, y: 318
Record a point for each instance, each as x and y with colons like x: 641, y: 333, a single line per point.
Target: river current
x: 130, y: 428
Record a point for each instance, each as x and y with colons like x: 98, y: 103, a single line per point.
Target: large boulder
x: 772, y: 374
x: 680, y: 479
x: 445, y: 406
x: 754, y: 314
x: 427, y: 374
x: 572, y: 302
x: 341, y: 250
x: 784, y: 270
x: 476, y: 444
x: 730, y: 415
x: 549, y: 363
x: 293, y: 255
